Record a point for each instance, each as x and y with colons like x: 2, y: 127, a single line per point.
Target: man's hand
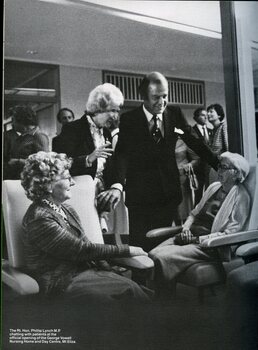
x: 109, y: 199
x: 136, y: 251
x: 101, y: 152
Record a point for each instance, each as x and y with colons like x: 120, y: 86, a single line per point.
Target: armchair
x: 15, y: 204
x: 207, y: 274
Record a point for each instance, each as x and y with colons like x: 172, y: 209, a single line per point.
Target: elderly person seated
x: 222, y: 210
x: 58, y: 254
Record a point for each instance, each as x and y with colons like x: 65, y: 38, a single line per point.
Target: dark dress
x: 20, y: 147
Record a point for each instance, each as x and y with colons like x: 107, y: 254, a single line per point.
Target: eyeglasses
x: 224, y: 167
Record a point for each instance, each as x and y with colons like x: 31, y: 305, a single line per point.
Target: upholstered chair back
x: 15, y: 204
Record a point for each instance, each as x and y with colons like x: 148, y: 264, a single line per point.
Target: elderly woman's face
x: 226, y: 172
x: 61, y: 187
x: 103, y: 119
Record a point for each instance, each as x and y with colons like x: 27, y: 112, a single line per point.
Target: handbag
x: 193, y: 182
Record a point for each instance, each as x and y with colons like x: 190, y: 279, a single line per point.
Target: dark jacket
x: 56, y: 250
x: 149, y: 171
x: 76, y: 141
x: 20, y: 147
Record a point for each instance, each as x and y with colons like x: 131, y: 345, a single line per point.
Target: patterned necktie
x: 155, y: 131
x: 205, y: 135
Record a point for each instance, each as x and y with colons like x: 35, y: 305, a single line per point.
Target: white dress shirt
x: 150, y: 120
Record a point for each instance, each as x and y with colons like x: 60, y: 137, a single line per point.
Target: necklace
x: 57, y: 209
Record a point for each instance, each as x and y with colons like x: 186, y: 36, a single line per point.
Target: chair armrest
x: 20, y: 282
x: 247, y: 250
x: 140, y: 262
x: 165, y: 232
x: 230, y: 239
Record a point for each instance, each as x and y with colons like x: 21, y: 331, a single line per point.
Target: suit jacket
x: 199, y: 134
x: 76, y: 141
x: 148, y: 170
x: 56, y: 250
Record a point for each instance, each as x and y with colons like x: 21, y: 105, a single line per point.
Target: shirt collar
x: 114, y: 132
x: 149, y: 116
x: 93, y: 126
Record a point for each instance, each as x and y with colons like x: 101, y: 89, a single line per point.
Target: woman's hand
x: 186, y: 236
x: 136, y: 251
x: 101, y: 152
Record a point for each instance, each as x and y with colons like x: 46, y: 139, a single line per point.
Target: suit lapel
x: 169, y: 124
x: 142, y: 124
x: 196, y: 129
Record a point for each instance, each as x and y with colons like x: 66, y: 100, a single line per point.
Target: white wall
x: 75, y: 85
x: 77, y: 82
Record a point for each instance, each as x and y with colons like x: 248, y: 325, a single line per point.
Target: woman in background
x: 185, y: 159
x: 219, y: 139
x: 24, y: 139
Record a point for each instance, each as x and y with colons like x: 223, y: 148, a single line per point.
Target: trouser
x: 143, y: 219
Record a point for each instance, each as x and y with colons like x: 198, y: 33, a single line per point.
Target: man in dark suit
x: 64, y: 116
x: 204, y: 133
x: 145, y: 160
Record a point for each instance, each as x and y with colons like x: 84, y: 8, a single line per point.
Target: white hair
x: 102, y: 97
x: 238, y: 162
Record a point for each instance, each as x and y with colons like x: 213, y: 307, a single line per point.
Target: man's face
x: 65, y: 117
x: 157, y: 98
x: 202, y: 118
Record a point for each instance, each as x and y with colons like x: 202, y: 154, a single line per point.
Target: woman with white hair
x: 88, y: 140
x: 223, y: 209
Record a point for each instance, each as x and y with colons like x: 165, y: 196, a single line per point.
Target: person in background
x: 204, y: 133
x: 223, y: 210
x: 64, y: 116
x: 145, y: 160
x: 219, y: 139
x: 24, y: 139
x: 58, y: 254
x: 186, y: 160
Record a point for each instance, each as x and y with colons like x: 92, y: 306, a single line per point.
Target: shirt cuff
x: 117, y: 186
x: 88, y: 164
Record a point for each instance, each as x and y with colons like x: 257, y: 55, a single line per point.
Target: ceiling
x: 134, y: 36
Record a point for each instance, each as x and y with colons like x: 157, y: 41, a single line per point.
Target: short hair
x: 151, y: 78
x: 238, y: 162
x: 197, y: 112
x: 40, y: 170
x: 102, y: 97
x: 23, y: 115
x: 58, y: 116
x: 219, y: 109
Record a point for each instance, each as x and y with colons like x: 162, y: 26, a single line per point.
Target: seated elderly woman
x: 58, y: 254
x: 222, y: 210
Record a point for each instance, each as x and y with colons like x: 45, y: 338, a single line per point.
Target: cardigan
x: 57, y: 250
x: 233, y: 212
